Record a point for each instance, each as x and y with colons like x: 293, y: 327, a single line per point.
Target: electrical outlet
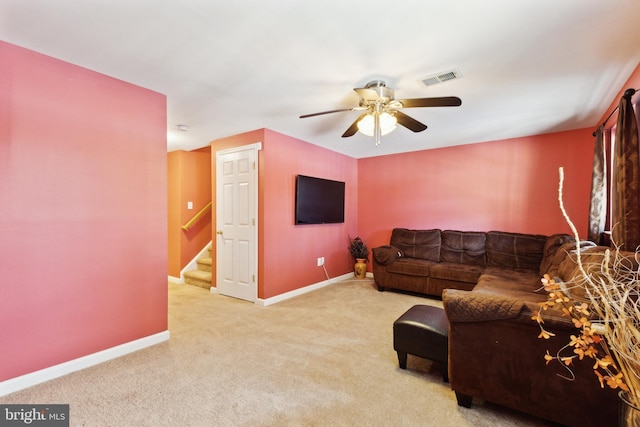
x: 320, y: 261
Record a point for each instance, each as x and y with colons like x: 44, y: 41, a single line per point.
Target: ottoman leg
x: 402, y: 359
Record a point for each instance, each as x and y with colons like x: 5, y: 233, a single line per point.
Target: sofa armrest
x: 502, y: 361
x: 469, y: 306
x: 385, y: 255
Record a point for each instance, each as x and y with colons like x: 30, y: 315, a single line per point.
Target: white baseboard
x: 176, y: 280
x: 296, y: 292
x: 24, y: 381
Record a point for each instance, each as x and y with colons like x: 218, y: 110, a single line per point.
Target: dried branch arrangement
x: 606, y: 314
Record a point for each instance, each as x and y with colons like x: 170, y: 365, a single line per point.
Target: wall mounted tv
x: 319, y: 201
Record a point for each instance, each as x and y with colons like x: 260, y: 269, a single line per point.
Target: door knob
x: 219, y: 232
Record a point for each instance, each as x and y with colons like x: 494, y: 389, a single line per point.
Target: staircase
x: 202, y: 276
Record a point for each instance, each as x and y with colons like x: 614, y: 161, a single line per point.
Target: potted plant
x: 360, y: 252
x: 606, y: 318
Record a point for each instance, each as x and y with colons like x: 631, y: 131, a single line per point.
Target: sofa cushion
x: 463, y: 247
x: 592, y: 259
x: 422, y: 244
x: 569, y: 270
x: 561, y: 254
x: 520, y: 284
x: 457, y: 272
x: 515, y: 250
x: 551, y: 246
x: 411, y: 267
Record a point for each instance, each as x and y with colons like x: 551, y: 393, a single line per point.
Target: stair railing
x: 196, y: 217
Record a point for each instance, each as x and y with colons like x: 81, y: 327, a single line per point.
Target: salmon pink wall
x: 189, y: 175
x: 83, y: 212
x: 508, y: 185
x: 291, y: 251
x: 288, y: 253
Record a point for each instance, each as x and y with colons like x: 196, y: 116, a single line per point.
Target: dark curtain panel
x: 598, y: 208
x: 626, y: 178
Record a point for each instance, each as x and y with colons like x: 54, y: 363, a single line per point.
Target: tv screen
x: 319, y: 201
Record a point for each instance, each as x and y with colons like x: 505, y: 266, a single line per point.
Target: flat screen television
x: 319, y: 201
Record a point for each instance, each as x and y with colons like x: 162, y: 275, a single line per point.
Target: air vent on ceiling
x: 442, y: 77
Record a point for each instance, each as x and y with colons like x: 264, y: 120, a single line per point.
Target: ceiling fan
x: 381, y: 110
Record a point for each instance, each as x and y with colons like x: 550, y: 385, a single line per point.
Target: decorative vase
x: 628, y: 413
x: 360, y: 269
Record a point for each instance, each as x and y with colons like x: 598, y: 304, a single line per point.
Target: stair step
x: 198, y: 278
x: 204, y: 264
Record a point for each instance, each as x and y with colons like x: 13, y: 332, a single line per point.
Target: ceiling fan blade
x: 409, y: 122
x: 353, y: 129
x: 304, y: 116
x: 446, y: 101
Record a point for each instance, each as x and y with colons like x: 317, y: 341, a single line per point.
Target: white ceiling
x: 227, y: 67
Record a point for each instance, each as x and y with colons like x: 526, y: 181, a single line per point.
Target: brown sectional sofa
x: 429, y: 261
x: 495, y: 354
x: 490, y: 287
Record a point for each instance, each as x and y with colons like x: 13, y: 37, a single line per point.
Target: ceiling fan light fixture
x: 388, y: 123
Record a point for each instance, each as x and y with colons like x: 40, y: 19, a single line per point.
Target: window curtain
x: 598, y: 205
x: 626, y: 178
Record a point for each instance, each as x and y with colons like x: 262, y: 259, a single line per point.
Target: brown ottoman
x: 423, y: 331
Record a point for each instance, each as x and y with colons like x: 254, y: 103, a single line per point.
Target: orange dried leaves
x: 585, y: 343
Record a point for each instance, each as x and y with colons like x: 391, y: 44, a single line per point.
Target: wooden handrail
x: 197, y: 216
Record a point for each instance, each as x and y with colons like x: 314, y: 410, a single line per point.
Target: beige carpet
x: 321, y: 359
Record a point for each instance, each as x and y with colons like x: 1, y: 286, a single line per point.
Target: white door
x: 237, y: 222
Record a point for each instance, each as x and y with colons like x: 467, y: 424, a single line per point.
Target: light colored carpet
x: 321, y: 359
